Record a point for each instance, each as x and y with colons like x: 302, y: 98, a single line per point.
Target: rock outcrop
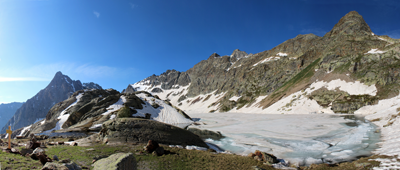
x: 91, y: 85
x: 87, y: 110
x: 136, y: 130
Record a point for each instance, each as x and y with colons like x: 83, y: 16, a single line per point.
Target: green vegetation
x: 343, y: 68
x: 175, y: 159
x: 304, y: 75
x: 124, y: 112
x: 16, y: 161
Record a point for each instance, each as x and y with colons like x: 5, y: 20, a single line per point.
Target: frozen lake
x: 302, y: 139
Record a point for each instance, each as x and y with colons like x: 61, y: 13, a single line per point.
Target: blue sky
x: 118, y: 42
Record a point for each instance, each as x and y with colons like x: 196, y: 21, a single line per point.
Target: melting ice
x: 301, y: 139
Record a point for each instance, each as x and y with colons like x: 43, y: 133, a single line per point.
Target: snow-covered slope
x: 386, y: 115
x: 297, y: 103
x: 163, y: 113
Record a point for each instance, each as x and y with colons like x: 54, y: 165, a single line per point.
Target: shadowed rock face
x: 133, y: 130
x: 59, y: 89
x: 7, y: 111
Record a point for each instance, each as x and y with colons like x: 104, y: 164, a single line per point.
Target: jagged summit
x: 36, y: 108
x: 214, y: 55
x: 351, y: 24
x: 238, y: 54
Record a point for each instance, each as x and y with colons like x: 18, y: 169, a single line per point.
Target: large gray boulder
x: 118, y: 161
x: 61, y: 166
x: 136, y: 130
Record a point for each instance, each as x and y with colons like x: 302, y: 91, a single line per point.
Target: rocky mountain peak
x: 91, y: 85
x: 238, y: 54
x: 351, y: 24
x: 59, y: 89
x: 214, y: 55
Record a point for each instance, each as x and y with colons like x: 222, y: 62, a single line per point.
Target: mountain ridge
x: 287, y: 68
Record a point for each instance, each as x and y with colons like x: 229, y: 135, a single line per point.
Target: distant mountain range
x: 36, y: 108
x: 7, y: 111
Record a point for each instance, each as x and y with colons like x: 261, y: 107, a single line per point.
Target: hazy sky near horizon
x: 116, y: 43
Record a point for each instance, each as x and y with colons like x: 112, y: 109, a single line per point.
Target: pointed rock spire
x: 351, y: 24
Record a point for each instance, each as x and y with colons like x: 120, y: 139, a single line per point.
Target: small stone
x: 55, y: 158
x: 151, y: 146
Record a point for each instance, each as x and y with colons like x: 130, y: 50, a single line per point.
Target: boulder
x: 151, y: 146
x: 205, y: 134
x: 158, y: 152
x: 136, y: 130
x: 269, y: 158
x: 43, y: 158
x: 266, y: 157
x: 33, y: 144
x: 120, y: 161
x: 26, y: 151
x: 55, y: 158
x: 61, y: 166
x: 38, y: 150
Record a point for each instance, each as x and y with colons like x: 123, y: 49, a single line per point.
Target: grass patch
x: 342, y: 68
x: 177, y: 159
x: 15, y: 161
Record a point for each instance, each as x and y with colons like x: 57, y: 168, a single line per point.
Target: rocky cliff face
x: 36, y: 108
x: 7, y: 111
x: 266, y: 81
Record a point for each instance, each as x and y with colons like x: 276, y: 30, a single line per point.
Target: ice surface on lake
x: 303, y: 139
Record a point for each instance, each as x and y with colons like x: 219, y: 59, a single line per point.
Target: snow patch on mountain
x: 386, y: 116
x: 116, y: 106
x: 299, y: 103
x: 235, y: 98
x: 353, y: 88
x: 64, y: 117
x: 25, y: 129
x: 142, y: 85
x: 375, y: 51
x: 164, y: 113
x: 203, y: 103
x: 390, y: 43
x: 267, y: 60
x: 282, y: 54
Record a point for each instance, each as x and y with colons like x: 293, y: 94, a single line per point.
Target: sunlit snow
x: 375, y: 51
x: 64, y: 117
